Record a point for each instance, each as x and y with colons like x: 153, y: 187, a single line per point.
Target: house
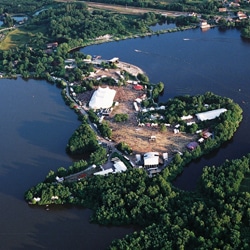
x: 151, y: 159
x: 222, y: 9
x: 241, y: 15
x: 204, y: 24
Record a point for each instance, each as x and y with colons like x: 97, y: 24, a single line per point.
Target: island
x: 136, y: 145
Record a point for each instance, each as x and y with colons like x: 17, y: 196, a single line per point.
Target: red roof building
x: 138, y: 87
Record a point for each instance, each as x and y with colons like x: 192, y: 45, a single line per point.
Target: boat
x: 136, y: 50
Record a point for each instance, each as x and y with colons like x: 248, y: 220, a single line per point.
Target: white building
x: 119, y: 167
x: 151, y: 159
x: 102, y: 98
x: 210, y: 115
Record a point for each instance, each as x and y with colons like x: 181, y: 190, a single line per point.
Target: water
x: 36, y: 125
x: 35, y: 128
x: 193, y: 62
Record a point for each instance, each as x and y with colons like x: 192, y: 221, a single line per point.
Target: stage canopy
x: 102, y: 98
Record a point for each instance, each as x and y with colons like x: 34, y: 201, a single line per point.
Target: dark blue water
x: 193, y: 62
x: 35, y: 128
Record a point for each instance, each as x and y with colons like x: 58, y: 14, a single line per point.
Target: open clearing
x: 138, y: 137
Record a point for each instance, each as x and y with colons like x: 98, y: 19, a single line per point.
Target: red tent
x: 138, y: 87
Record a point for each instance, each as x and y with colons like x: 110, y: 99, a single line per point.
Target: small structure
x: 138, y: 87
x: 152, y: 138
x: 114, y: 60
x: 165, y: 156
x: 186, y: 117
x: 119, y: 167
x: 136, y: 106
x: 104, y: 172
x: 204, y: 25
x: 192, y: 145
x: 151, y: 159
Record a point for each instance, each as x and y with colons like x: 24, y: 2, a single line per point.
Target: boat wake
x: 186, y: 39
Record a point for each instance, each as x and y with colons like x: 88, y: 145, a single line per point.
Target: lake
x: 193, y: 62
x: 36, y: 126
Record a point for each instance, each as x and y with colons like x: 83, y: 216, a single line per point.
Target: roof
x: 104, y: 172
x: 119, y: 167
x: 151, y: 158
x: 192, y: 145
x: 210, y: 115
x: 138, y: 87
x: 102, y: 98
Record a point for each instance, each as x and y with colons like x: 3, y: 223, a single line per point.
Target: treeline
x: 22, y: 6
x: 173, y: 219
x: 73, y: 21
x: 71, y: 25
x: 216, y: 218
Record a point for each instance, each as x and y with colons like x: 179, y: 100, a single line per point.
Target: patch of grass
x: 245, y: 184
x: 14, y: 38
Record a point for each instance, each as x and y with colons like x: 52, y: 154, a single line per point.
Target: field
x: 138, y: 138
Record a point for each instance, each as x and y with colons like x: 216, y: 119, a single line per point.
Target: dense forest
x: 171, y: 218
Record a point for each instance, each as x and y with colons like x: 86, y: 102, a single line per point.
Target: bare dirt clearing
x: 138, y: 137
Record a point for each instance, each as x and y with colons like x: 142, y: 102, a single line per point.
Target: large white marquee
x: 209, y: 115
x: 102, y: 98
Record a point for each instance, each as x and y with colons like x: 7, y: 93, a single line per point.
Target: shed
x: 192, y: 145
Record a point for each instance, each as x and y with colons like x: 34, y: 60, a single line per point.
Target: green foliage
x: 83, y: 140
x: 121, y: 117
x: 124, y: 147
x: 105, y: 129
x: 143, y: 78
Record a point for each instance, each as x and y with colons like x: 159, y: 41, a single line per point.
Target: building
x: 192, y: 145
x: 102, y: 98
x: 210, y: 115
x: 151, y: 159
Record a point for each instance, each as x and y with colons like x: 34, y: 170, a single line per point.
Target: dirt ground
x: 138, y: 137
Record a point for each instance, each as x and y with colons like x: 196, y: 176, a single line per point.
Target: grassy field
x: 14, y: 38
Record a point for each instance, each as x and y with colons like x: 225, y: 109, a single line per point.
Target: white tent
x: 151, y: 159
x: 210, y: 115
x: 102, y: 98
x: 120, y: 167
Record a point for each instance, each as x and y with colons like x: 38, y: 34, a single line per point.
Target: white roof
x: 119, y: 167
x: 104, y: 172
x: 151, y: 158
x: 186, y: 117
x: 102, y: 98
x: 210, y: 115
